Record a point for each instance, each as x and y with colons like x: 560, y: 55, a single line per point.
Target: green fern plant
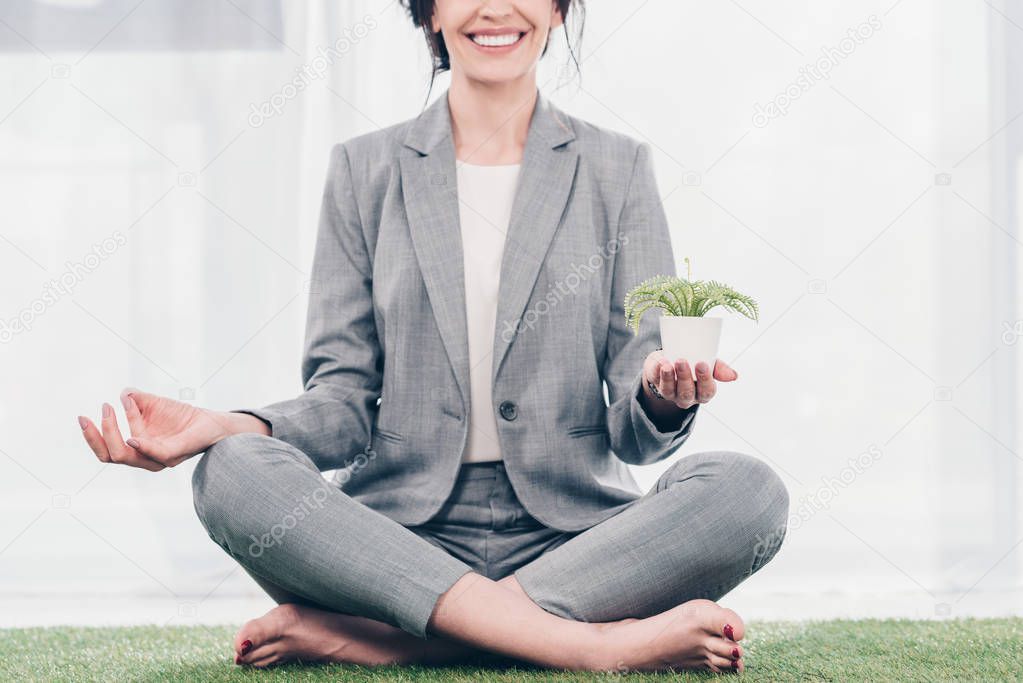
x: 684, y: 297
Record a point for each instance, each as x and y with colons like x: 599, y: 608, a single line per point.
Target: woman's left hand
x: 675, y: 382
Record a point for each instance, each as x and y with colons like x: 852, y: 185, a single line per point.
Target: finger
x: 119, y: 451
x: 724, y: 373
x: 650, y: 366
x: 706, y: 387
x: 666, y: 380
x: 132, y: 412
x: 112, y: 435
x: 148, y: 448
x: 93, y: 438
x: 158, y: 450
x: 686, y: 390
x: 141, y: 398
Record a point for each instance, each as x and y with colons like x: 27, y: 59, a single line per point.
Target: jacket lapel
x: 545, y: 183
x: 430, y: 191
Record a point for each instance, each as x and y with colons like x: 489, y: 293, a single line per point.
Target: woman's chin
x: 496, y: 76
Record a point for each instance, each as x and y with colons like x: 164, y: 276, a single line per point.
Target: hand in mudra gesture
x: 675, y: 382
x: 164, y: 432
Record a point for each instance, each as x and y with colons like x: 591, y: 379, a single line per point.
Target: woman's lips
x: 497, y: 49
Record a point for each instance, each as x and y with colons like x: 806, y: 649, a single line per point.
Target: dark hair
x: 421, y: 12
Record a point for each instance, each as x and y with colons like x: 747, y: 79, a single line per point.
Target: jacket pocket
x: 576, y: 432
x: 387, y: 435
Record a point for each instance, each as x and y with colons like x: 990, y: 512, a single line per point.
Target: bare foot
x: 698, y: 634
x: 299, y: 633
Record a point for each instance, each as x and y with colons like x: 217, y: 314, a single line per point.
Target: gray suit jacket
x: 386, y: 369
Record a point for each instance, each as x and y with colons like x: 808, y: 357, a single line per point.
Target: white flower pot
x: 693, y: 338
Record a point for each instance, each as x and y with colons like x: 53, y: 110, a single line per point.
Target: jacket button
x: 508, y: 410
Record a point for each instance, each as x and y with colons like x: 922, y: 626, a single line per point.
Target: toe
x: 250, y: 635
x: 722, y: 647
x: 714, y: 619
x: 274, y: 624
x: 720, y: 664
x: 259, y: 656
x: 267, y: 657
x: 731, y: 625
x: 260, y: 632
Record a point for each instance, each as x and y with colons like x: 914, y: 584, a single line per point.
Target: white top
x: 485, y: 195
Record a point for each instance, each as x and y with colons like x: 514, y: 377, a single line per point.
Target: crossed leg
x: 244, y: 483
x: 298, y: 630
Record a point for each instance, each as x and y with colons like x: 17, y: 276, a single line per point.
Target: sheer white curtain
x: 162, y: 167
x: 861, y: 174
x: 167, y: 174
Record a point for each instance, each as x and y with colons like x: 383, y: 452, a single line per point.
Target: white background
x: 887, y: 293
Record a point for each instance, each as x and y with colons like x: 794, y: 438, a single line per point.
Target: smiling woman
x: 512, y: 543
x: 440, y: 21
x: 116, y: 132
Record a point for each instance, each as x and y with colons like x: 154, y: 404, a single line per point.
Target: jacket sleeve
x: 342, y: 362
x: 644, y: 251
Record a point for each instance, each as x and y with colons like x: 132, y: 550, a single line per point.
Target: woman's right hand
x: 164, y: 432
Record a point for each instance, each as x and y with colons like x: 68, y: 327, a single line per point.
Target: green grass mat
x: 971, y: 649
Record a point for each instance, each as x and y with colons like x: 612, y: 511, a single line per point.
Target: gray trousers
x: 712, y: 520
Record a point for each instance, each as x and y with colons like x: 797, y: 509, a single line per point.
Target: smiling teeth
x: 496, y: 41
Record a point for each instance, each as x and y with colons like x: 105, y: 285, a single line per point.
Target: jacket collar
x: 433, y: 125
x: 429, y: 187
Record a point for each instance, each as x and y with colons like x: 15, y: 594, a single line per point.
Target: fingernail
x: 735, y: 653
x: 246, y: 647
x: 729, y: 632
x: 83, y: 423
x: 133, y: 443
x: 108, y: 410
x: 126, y: 401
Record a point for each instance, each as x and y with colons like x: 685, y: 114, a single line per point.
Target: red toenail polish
x: 237, y: 659
x: 729, y: 632
x: 246, y: 647
x: 735, y: 665
x: 735, y: 653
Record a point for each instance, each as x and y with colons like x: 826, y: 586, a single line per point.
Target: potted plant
x: 684, y: 303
